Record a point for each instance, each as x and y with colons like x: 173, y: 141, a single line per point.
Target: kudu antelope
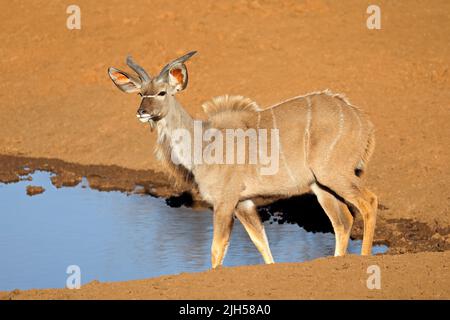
x: 324, y: 146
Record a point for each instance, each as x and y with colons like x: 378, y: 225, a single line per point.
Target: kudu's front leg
x: 223, y: 224
x: 247, y: 214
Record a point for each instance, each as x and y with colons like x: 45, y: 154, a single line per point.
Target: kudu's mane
x: 228, y: 103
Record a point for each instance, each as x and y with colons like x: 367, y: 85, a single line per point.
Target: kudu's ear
x: 125, y: 82
x: 177, y: 77
x: 175, y: 73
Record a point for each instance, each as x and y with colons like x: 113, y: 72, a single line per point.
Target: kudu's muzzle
x: 144, y: 115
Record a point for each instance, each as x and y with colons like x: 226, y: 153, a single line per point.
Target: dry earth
x: 57, y: 102
x: 412, y: 276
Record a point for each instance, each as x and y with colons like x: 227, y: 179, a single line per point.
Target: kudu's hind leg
x: 223, y: 224
x: 363, y: 200
x: 247, y: 214
x: 339, y: 215
x: 367, y: 205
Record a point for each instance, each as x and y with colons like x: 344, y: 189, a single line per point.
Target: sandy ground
x: 58, y: 102
x: 414, y: 276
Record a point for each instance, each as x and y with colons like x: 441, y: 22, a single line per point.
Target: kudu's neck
x: 176, y: 118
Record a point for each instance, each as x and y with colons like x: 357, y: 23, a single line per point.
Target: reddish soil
x: 34, y: 190
x: 413, y: 276
x: 58, y: 103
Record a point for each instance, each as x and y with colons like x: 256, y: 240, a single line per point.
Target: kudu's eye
x: 162, y: 93
x: 140, y: 94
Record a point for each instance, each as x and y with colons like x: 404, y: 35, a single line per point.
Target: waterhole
x: 112, y: 236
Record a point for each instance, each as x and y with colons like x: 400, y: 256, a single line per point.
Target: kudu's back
x: 322, y: 137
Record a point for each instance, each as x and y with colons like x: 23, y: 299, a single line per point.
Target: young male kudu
x: 324, y: 145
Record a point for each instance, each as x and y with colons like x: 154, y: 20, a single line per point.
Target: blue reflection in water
x: 113, y: 236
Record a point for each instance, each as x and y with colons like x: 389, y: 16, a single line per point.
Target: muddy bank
x: 102, y: 178
x: 34, y: 190
x: 409, y: 276
x: 401, y: 235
